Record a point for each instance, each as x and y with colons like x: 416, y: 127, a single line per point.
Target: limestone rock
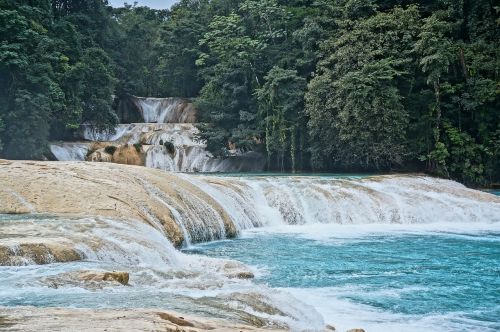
x: 31, y: 319
x: 37, y: 253
x: 180, y: 321
x: 356, y: 330
x: 121, y: 277
x: 100, y: 156
x: 108, y: 190
x: 87, y: 279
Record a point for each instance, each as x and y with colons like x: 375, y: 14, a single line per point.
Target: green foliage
x: 228, y: 69
x: 97, y: 89
x: 357, y: 118
x: 315, y: 84
x: 281, y: 100
x: 170, y: 147
x: 138, y: 147
x: 110, y: 149
x: 136, y: 53
x: 46, y: 81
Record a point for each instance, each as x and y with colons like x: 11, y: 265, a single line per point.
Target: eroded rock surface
x: 30, y: 319
x: 116, y: 191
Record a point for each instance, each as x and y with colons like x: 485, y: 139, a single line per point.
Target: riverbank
x: 31, y: 319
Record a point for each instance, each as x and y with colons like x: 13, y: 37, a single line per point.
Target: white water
x: 165, y: 110
x: 69, y: 151
x: 274, y: 201
x: 366, y: 203
x: 160, y: 276
x: 167, y: 120
x: 163, y: 277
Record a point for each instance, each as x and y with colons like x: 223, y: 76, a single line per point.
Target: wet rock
x: 37, y: 253
x: 121, y: 277
x: 180, y: 321
x: 233, y: 269
x: 87, y: 279
x: 244, y: 275
x: 100, y: 155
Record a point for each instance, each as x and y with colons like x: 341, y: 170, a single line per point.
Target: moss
x: 110, y: 149
x: 138, y: 147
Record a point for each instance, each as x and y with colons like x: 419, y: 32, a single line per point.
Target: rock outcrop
x: 88, y: 279
x: 30, y: 319
x: 38, y: 252
x: 110, y: 190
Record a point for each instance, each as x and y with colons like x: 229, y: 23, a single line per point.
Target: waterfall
x: 122, y: 218
x: 165, y: 110
x: 290, y: 200
x: 169, y: 139
x: 69, y: 151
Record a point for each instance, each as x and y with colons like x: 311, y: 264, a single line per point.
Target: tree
x: 28, y: 91
x: 136, y: 55
x: 97, y: 89
x: 281, y: 105
x: 230, y: 75
x: 357, y: 118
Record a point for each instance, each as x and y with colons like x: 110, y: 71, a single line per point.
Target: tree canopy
x: 318, y: 85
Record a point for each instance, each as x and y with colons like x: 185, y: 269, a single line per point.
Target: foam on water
x: 385, y: 253
x: 257, y: 201
x: 160, y: 276
x: 402, y: 281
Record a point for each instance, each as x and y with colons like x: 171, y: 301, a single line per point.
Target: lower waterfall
x: 295, y: 200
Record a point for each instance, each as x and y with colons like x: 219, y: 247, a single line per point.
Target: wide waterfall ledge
x: 199, y: 208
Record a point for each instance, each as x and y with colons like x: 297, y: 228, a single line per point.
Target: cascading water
x: 165, y: 110
x: 207, y: 207
x: 70, y: 151
x: 295, y: 200
x: 168, y: 137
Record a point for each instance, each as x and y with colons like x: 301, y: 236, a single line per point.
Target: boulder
x: 121, y: 277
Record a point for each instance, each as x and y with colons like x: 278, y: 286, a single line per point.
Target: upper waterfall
x: 167, y: 139
x: 165, y: 110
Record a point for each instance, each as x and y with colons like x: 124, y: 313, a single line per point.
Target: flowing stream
x: 386, y: 253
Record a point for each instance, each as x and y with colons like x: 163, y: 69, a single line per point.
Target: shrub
x: 170, y: 147
x: 110, y: 149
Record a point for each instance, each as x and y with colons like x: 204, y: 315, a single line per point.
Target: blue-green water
x: 383, y: 282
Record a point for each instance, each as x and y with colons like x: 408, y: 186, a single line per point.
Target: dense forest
x: 317, y: 85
